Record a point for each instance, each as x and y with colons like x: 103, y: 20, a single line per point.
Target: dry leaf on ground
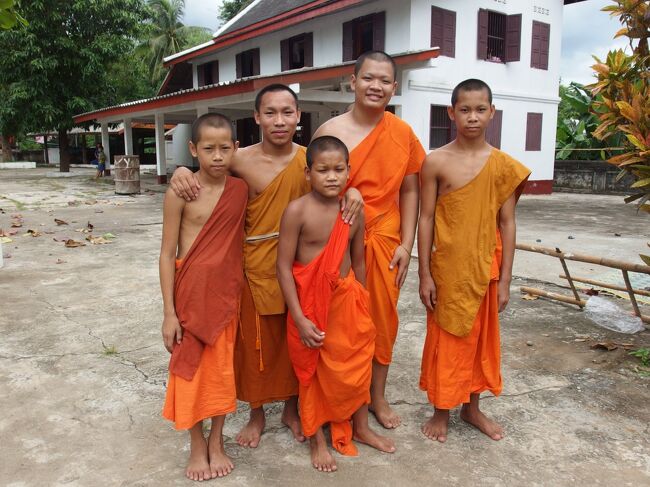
x: 529, y: 297
x: 60, y: 261
x: 97, y: 240
x: 60, y: 222
x: 609, y: 346
x: 5, y: 240
x: 70, y: 243
x: 32, y: 233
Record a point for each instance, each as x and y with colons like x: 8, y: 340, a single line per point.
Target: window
x: 297, y: 52
x: 499, y: 36
x: 440, y: 132
x: 363, y: 34
x: 534, y: 132
x: 208, y: 73
x: 443, y: 31
x: 493, y: 132
x: 248, y: 63
x: 539, y: 48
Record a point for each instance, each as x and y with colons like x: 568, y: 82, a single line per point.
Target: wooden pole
x: 566, y: 271
x: 557, y: 297
x: 640, y: 292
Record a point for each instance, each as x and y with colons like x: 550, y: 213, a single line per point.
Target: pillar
x: 106, y: 144
x: 161, y: 159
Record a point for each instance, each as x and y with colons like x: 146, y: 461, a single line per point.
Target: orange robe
x: 462, y: 351
x: 335, y: 378
x: 378, y: 166
x: 207, y: 287
x: 262, y: 367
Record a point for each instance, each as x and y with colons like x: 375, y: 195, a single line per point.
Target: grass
x: 111, y: 350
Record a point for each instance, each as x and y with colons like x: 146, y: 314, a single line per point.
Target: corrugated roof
x: 265, y: 10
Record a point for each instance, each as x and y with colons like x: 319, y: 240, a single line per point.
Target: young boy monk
x: 201, y: 279
x: 274, y: 170
x: 330, y: 333
x: 467, y: 215
x: 385, y: 159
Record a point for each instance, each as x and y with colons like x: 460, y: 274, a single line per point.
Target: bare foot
x: 250, y: 434
x: 291, y: 420
x: 198, y: 467
x: 384, y: 414
x: 436, y: 428
x: 220, y: 463
x: 480, y: 421
x: 321, y: 458
x: 370, y: 438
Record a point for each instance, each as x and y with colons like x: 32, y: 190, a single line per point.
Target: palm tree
x: 168, y: 35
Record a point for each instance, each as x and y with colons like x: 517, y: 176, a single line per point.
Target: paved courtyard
x: 83, y: 369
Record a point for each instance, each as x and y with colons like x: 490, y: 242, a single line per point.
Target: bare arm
x: 172, y: 212
x: 428, y: 198
x: 508, y: 229
x: 357, y: 250
x: 310, y: 335
x: 409, y: 194
x: 185, y: 184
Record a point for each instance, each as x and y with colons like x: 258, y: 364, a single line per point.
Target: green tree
x: 9, y: 17
x: 230, y: 8
x: 167, y: 35
x: 56, y: 66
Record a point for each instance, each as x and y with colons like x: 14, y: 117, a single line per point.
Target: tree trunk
x: 5, y: 148
x: 64, y: 155
x: 45, y: 149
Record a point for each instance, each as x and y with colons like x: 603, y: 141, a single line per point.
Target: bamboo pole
x: 640, y: 292
x: 556, y: 296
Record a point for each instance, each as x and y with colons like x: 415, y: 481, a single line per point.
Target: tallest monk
x: 274, y: 170
x: 385, y: 160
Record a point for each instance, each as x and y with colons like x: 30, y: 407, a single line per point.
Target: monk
x: 330, y: 334
x: 385, y: 159
x: 201, y: 280
x: 274, y: 171
x: 469, y: 193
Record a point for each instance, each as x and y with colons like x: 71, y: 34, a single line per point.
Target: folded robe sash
x: 314, y: 283
x: 208, y: 284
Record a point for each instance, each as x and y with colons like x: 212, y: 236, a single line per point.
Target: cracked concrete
x: 83, y: 369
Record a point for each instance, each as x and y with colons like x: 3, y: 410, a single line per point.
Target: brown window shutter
x: 544, y: 45
x: 284, y: 54
x: 215, y: 71
x: 449, y: 33
x: 482, y: 38
x: 534, y: 132
x: 437, y: 25
x: 238, y: 65
x: 513, y: 38
x: 535, y: 45
x: 348, y: 41
x: 493, y: 132
x: 379, y: 31
x: 309, y: 49
x: 256, y: 61
x: 200, y: 71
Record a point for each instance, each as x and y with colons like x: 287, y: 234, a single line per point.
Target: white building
x: 513, y: 45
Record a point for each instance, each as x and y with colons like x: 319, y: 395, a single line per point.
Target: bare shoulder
x: 334, y: 126
x: 436, y: 160
x: 296, y: 209
x: 172, y: 201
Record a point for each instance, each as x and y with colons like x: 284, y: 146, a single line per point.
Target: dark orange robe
x: 335, y: 378
x: 262, y: 367
x: 462, y: 351
x: 378, y: 166
x: 207, y: 287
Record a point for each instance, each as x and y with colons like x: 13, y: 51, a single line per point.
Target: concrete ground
x: 83, y: 369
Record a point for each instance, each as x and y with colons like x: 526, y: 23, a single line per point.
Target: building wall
x: 518, y: 88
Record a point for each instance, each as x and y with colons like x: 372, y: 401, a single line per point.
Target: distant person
x: 101, y: 162
x: 201, y: 279
x: 467, y: 215
x: 321, y: 270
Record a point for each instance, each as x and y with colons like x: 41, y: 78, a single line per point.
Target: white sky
x: 586, y: 31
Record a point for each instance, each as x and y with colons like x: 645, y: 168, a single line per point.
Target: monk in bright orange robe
x: 461, y: 356
x: 262, y: 367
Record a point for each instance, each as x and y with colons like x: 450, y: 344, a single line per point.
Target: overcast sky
x: 586, y: 31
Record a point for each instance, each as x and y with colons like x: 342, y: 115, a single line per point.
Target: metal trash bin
x: 127, y: 174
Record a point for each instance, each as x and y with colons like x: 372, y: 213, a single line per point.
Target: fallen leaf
x: 90, y: 226
x: 60, y: 261
x: 90, y: 202
x: 32, y: 233
x: 60, y: 222
x: 97, y: 240
x: 5, y: 240
x: 626, y: 346
x: 529, y: 297
x: 609, y: 346
x: 82, y: 230
x: 73, y: 243
x: 592, y: 292
x: 109, y: 235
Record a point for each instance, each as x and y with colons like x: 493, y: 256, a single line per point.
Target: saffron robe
x: 378, y: 165
x: 334, y: 380
x: 462, y: 352
x: 262, y: 367
x: 206, y: 292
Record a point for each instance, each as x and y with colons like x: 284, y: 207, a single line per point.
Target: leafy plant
x: 9, y: 17
x: 230, y: 8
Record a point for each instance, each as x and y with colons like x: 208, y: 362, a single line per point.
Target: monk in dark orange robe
x: 469, y: 193
x: 201, y: 292
x: 330, y: 333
